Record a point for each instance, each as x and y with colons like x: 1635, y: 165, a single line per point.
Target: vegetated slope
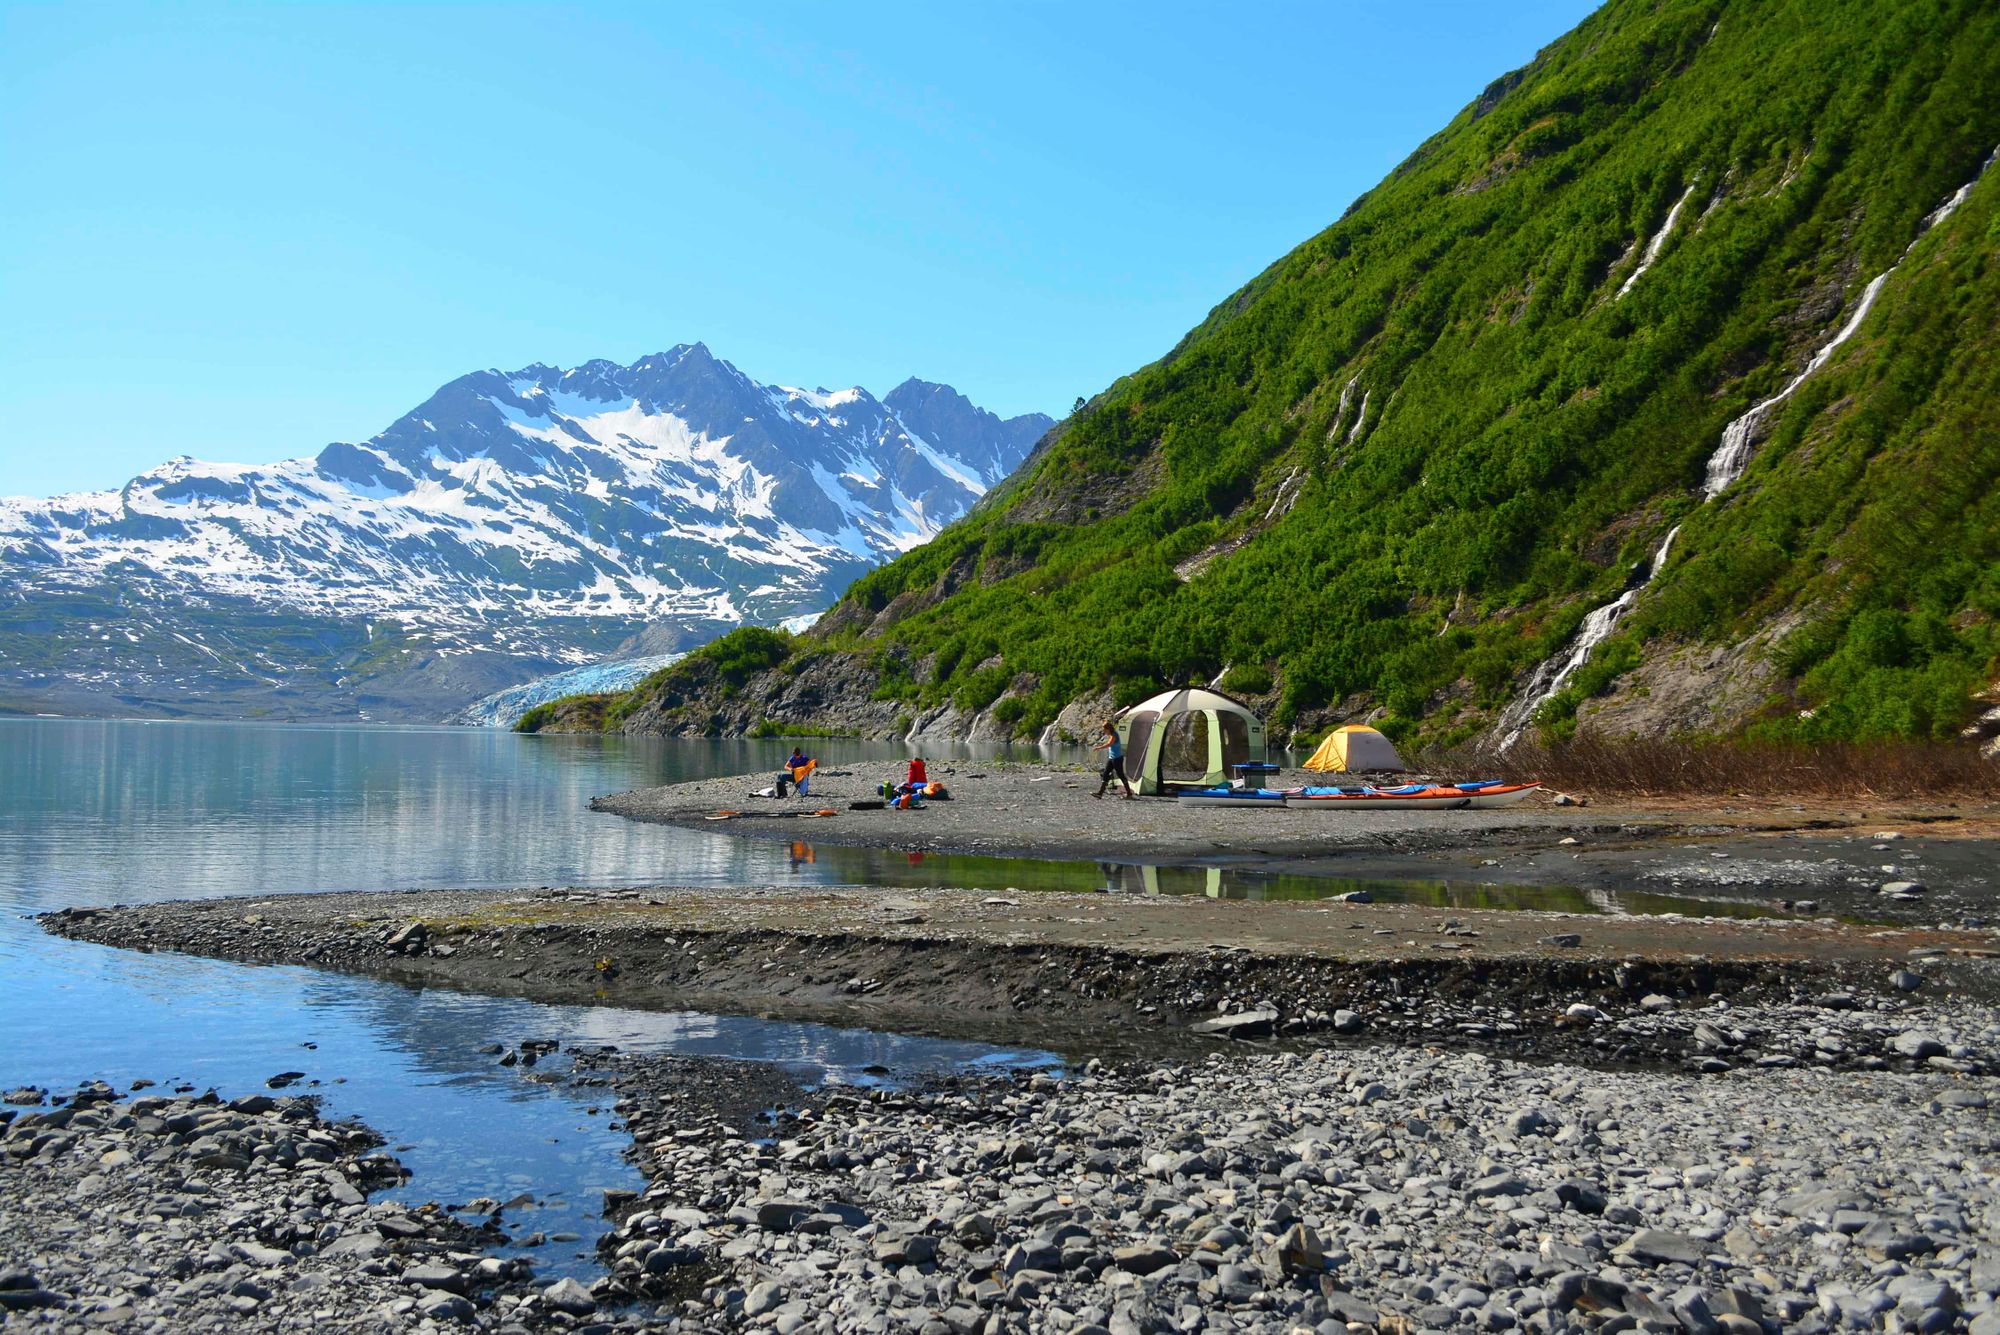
x: 509, y: 525
x: 1397, y: 471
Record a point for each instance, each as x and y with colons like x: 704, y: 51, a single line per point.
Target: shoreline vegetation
x: 1641, y: 767
x: 1882, y: 767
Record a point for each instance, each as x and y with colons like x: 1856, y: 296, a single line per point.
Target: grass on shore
x: 1644, y: 768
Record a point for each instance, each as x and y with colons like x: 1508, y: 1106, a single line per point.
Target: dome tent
x: 1352, y: 748
x: 1191, y: 735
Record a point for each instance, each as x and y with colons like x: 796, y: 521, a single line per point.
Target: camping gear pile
x: 1478, y: 795
x: 916, y: 788
x: 1354, y: 749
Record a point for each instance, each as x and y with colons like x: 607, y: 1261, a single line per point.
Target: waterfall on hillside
x: 1659, y: 240
x: 1340, y: 413
x: 1360, y: 420
x: 1951, y: 203
x: 1553, y: 674
x: 1732, y: 455
x: 1725, y: 465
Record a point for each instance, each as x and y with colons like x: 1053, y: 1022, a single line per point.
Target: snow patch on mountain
x: 676, y: 487
x: 536, y: 513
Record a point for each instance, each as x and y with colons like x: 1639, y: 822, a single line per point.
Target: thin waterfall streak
x: 1951, y: 203
x: 1596, y: 629
x: 1725, y: 466
x: 1732, y: 454
x: 1659, y: 240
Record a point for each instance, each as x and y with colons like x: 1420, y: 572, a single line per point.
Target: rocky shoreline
x: 1323, y: 1116
x: 1115, y: 976
x: 181, y: 1211
x: 1394, y: 1189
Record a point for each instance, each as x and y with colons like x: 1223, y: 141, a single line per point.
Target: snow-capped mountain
x: 531, y: 520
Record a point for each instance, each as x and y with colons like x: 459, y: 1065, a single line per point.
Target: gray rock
x: 568, y: 1296
x: 1916, y: 1045
x: 1144, y: 1258
x: 1243, y: 1024
x: 1893, y: 1242
x: 1905, y: 981
x: 1346, y: 1308
x: 903, y: 1247
x: 780, y: 1216
x: 1031, y: 1256
x: 1660, y: 1246
x: 361, y: 1246
x: 443, y: 1306
x: 1582, y: 1196
x: 431, y: 1275
x: 763, y: 1298
x: 1348, y: 1022
x: 1297, y: 1251
x: 259, y: 1255
x: 1498, y: 1184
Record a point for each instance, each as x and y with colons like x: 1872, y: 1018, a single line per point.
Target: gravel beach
x: 184, y: 1212
x: 1397, y: 1189
x: 1086, y: 974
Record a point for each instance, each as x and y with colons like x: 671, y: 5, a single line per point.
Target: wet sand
x: 1080, y: 973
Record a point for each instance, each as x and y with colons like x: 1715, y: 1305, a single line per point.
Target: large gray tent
x: 1189, y: 736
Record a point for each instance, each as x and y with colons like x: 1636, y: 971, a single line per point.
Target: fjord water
x: 96, y: 812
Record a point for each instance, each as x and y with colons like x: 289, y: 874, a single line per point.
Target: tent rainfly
x: 1191, y: 735
x: 1353, y: 748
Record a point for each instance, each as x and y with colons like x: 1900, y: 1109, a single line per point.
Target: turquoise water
x: 125, y: 812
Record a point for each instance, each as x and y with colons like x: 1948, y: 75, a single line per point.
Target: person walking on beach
x: 1114, y: 764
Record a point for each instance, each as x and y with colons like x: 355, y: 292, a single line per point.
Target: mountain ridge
x: 1397, y: 472
x: 551, y: 515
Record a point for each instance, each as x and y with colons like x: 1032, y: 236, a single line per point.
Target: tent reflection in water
x: 1189, y: 736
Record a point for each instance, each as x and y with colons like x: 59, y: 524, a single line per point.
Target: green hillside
x: 1399, y: 467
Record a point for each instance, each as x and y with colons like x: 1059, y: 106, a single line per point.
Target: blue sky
x: 240, y: 233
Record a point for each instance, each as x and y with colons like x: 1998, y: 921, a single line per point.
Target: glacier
x: 503, y: 709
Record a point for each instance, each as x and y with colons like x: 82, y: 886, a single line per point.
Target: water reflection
x: 101, y: 812
x: 864, y: 866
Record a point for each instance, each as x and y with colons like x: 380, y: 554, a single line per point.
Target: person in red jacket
x: 918, y: 778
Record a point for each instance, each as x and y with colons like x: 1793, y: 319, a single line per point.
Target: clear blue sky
x: 240, y: 233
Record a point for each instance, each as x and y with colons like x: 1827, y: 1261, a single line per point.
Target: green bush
x: 1246, y: 679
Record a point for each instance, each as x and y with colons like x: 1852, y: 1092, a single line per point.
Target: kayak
x: 1416, y: 797
x: 1231, y: 797
x: 1494, y: 793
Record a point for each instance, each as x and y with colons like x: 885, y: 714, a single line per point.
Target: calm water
x: 124, y: 812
